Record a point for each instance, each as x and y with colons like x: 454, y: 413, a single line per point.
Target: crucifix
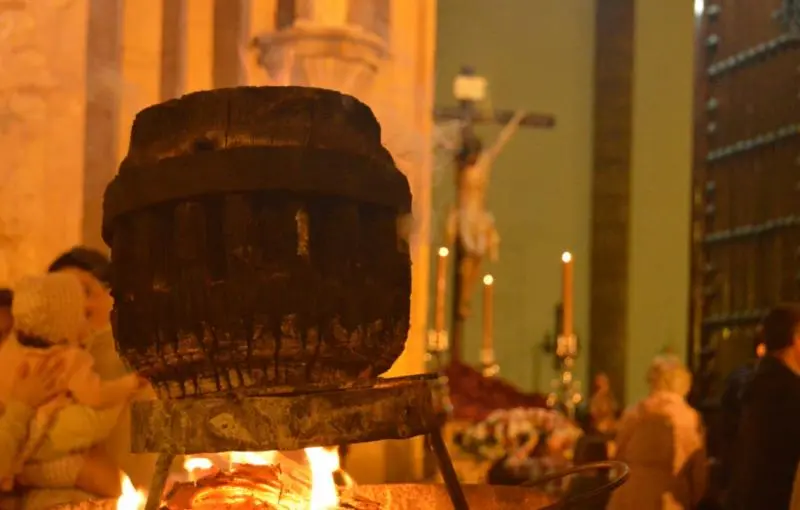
x: 470, y: 229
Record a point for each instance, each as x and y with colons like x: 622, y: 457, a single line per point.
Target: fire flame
x: 194, y: 466
x: 131, y: 499
x: 253, y: 458
x: 324, y: 463
x: 323, y: 494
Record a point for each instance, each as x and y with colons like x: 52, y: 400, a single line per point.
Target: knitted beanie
x: 50, y: 307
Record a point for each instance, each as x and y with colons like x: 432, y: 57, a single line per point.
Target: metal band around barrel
x: 315, y: 171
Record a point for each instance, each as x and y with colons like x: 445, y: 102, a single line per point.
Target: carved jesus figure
x: 471, y: 224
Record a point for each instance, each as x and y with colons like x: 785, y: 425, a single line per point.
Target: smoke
x: 396, y: 104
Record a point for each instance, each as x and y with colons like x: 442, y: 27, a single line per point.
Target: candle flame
x: 443, y: 252
x: 566, y: 257
x: 488, y: 279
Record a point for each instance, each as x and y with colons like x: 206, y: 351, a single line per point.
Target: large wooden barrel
x: 256, y: 241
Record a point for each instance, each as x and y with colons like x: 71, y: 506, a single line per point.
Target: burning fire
x: 324, y: 463
x: 131, y: 499
x: 245, y: 478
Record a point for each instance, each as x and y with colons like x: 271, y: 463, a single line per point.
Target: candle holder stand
x: 489, y: 366
x: 566, y: 390
x: 436, y: 349
x: 435, y: 353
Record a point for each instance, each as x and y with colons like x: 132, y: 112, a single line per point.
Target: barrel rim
x: 227, y: 91
x: 215, y: 118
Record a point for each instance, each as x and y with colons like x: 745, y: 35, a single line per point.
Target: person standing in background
x: 767, y: 447
x: 661, y: 438
x: 93, y: 269
x: 603, y: 406
x: 795, y: 503
x: 6, y: 319
x: 731, y: 408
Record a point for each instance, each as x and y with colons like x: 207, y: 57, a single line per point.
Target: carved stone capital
x: 342, y: 57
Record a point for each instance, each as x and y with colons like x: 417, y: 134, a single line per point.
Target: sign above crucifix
x: 470, y: 231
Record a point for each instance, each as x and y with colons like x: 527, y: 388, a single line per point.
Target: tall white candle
x: 441, y: 289
x: 488, y: 317
x: 567, y: 294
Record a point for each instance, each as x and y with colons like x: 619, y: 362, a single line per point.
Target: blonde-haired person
x: 661, y: 439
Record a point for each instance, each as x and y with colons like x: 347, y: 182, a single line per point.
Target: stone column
x: 103, y: 89
x: 174, y: 41
x: 611, y: 189
x: 641, y: 187
x: 142, y: 24
x: 42, y: 98
x: 231, y: 25
x: 200, y: 44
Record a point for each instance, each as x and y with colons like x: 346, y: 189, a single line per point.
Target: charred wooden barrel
x: 256, y: 242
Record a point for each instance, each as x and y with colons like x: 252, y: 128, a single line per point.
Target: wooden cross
x: 469, y: 116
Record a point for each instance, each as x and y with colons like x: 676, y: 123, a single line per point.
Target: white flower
x: 480, y: 432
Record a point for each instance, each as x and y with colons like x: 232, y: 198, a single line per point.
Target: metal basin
x: 416, y: 497
x: 494, y: 497
x: 434, y: 496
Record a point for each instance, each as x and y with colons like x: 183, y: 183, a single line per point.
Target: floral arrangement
x: 520, y: 432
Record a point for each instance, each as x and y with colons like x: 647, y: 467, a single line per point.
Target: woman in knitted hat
x: 50, y: 320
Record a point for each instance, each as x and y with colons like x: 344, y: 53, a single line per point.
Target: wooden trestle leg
x: 451, y: 482
x: 159, y: 481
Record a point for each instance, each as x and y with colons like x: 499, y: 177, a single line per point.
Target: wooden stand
x: 398, y: 408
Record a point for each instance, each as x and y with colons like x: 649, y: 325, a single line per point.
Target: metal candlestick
x: 489, y: 366
x: 566, y: 390
x: 438, y: 345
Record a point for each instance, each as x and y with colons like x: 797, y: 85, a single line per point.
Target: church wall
x: 42, y: 98
x: 658, y: 285
x: 538, y: 56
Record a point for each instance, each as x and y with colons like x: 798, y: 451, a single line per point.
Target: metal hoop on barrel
x: 622, y: 474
